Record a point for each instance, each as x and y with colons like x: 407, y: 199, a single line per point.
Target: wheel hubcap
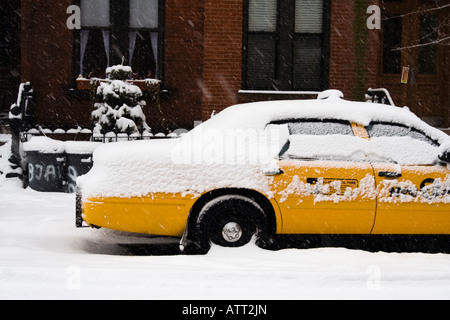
x: 232, y: 232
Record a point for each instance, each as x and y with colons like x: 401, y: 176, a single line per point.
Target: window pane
x: 261, y: 61
x: 95, y: 59
x: 143, y: 57
x: 95, y: 13
x: 428, y: 51
x: 262, y: 15
x: 320, y: 128
x: 144, y: 14
x: 5, y: 37
x: 391, y: 43
x: 307, y: 62
x: 308, y: 16
x: 394, y: 130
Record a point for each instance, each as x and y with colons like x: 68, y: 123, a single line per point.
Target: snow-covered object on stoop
x: 121, y: 109
x: 44, y: 145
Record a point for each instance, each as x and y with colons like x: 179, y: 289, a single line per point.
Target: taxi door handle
x: 273, y: 171
x: 389, y: 174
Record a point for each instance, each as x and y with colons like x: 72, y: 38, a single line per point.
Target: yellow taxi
x: 324, y: 166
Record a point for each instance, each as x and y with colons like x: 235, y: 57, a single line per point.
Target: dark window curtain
x: 94, y: 42
x: 144, y: 38
x: 93, y: 57
x: 143, y: 53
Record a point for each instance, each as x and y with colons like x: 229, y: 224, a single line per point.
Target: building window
x: 392, y: 42
x: 428, y: 44
x: 144, y: 37
x: 116, y: 31
x: 94, y: 37
x: 5, y: 37
x: 286, y: 44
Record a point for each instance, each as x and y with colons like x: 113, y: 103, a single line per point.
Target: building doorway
x: 415, y: 36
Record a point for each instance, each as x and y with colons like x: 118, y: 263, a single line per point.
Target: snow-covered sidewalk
x: 43, y: 256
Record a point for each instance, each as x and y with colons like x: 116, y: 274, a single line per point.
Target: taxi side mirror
x: 445, y: 156
x: 444, y: 152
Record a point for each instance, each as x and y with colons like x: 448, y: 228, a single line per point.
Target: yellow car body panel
x: 321, y: 197
x: 159, y: 214
x: 408, y: 204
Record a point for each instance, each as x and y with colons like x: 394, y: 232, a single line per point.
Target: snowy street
x: 43, y: 256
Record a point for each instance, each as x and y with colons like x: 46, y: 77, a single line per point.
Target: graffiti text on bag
x: 72, y: 176
x: 40, y: 172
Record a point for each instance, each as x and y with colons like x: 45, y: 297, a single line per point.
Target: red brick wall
x: 223, y: 54
x: 46, y: 48
x: 342, y: 49
x: 183, y: 60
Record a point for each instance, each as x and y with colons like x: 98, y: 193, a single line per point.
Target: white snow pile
x: 44, y: 144
x: 235, y: 146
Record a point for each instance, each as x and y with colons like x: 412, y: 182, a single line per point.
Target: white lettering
x: 74, y: 21
x: 374, y: 21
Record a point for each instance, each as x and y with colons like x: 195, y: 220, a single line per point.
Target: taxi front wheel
x: 230, y: 221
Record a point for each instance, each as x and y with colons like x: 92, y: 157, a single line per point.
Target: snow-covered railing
x: 380, y: 95
x: 87, y: 135
x: 114, y: 137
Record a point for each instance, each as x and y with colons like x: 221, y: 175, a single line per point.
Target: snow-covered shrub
x: 121, y: 108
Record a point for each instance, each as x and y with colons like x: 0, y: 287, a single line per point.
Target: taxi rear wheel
x: 230, y: 221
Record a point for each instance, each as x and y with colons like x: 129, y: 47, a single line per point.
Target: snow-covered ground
x: 43, y: 256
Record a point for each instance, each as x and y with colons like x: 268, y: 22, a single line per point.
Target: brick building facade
x: 210, y: 54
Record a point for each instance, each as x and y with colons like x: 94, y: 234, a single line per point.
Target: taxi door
x: 412, y: 187
x: 324, y: 185
x: 412, y: 199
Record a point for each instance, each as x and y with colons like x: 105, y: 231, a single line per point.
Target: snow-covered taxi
x: 325, y: 166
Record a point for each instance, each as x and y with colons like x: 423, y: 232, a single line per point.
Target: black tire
x: 230, y: 221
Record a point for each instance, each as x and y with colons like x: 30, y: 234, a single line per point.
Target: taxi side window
x: 381, y: 129
x: 320, y: 128
x: 329, y: 140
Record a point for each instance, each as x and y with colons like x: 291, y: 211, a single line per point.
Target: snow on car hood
x: 232, y: 149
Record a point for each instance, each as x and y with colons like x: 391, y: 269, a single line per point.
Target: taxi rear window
x: 320, y: 128
x: 382, y: 129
